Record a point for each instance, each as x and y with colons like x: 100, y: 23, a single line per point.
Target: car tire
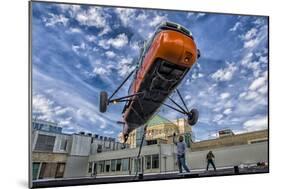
x: 103, y: 101
x: 193, y: 118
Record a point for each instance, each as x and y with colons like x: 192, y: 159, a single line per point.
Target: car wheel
x: 103, y: 101
x: 193, y: 118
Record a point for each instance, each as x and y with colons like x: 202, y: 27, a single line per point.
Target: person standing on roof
x: 181, y: 149
x: 210, y: 156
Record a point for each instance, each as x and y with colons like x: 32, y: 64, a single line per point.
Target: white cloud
x: 253, y: 37
x: 190, y: 14
x: 242, y: 95
x: 263, y: 90
x: 224, y: 95
x: 217, y: 118
x: 141, y: 17
x: 195, y: 16
x: 251, y: 43
x: 225, y: 74
x: 254, y: 62
x: 126, y: 15
x: 75, y: 30
x: 100, y: 71
x: 94, y: 16
x: 235, y: 27
x: 250, y: 34
x: 200, y: 15
x: 187, y: 97
x: 108, y: 132
x: 256, y: 124
x: 257, y: 90
x: 110, y: 54
x: 66, y: 121
x: 60, y: 111
x: 118, y: 42
x: 157, y: 20
x: 125, y: 66
x: 259, y: 82
x: 54, y: 19
x: 42, y: 106
x: 78, y: 48
x: 251, y: 95
x: 227, y: 111
x: 71, y: 9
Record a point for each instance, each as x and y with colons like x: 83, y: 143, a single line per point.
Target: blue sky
x: 77, y: 51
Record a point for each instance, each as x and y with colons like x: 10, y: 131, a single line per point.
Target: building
x: 161, y: 158
x: 228, y: 138
x: 160, y: 130
x: 46, y: 126
x: 59, y: 155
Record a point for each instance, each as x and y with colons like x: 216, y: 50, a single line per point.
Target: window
x: 45, y: 143
x: 125, y: 164
x: 151, y: 142
x: 107, y: 144
x: 99, y: 148
x: 137, y: 164
x: 35, y: 169
x: 258, y: 141
x: 113, y: 165
x: 48, y: 170
x: 107, y: 166
x: 100, y: 166
x: 118, y: 165
x: 63, y: 144
x: 90, y: 167
x: 60, y: 170
x: 155, y: 161
x: 148, y: 162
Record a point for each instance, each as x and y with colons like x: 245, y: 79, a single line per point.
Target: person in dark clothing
x: 210, y: 156
x: 181, y: 149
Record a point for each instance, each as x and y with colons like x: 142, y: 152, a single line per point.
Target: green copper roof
x: 157, y: 120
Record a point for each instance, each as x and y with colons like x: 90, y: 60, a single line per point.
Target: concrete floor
x: 120, y: 179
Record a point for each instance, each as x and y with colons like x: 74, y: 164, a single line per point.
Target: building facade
x: 57, y: 155
x: 160, y: 130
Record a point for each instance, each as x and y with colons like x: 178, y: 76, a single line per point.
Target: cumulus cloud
x: 259, y: 82
x: 225, y: 95
x: 254, y: 36
x: 118, y: 42
x: 100, y: 71
x: 125, y: 66
x: 157, y: 20
x: 94, y: 16
x: 235, y: 27
x: 257, y: 90
x: 42, y: 107
x: 195, y: 16
x: 110, y: 54
x: 224, y: 74
x: 227, y: 111
x: 126, y: 15
x: 75, y: 30
x: 54, y: 19
x: 256, y: 124
x: 79, y: 48
x: 217, y: 118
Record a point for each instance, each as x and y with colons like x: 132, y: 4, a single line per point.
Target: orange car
x: 163, y: 63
